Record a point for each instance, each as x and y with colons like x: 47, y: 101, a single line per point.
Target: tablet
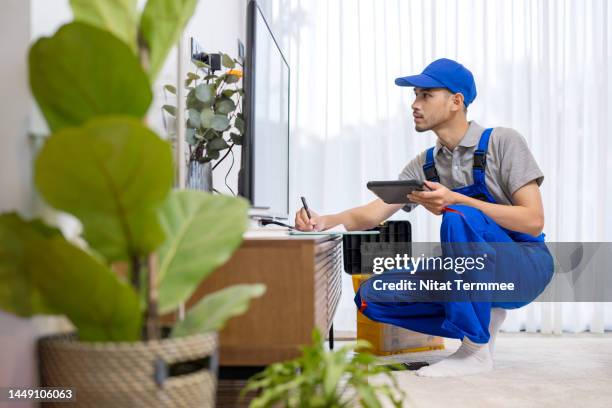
x: 395, y: 191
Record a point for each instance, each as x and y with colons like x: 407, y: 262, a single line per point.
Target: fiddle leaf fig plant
x: 146, y: 247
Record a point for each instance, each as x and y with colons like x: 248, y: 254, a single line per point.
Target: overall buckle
x: 480, y: 159
x: 431, y: 174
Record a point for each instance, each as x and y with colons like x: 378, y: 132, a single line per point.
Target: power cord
x: 228, y: 172
x: 267, y: 222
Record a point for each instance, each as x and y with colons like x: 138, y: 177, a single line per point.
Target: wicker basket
x: 138, y: 374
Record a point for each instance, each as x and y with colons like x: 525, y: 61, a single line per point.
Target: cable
x: 228, y: 172
x: 266, y: 222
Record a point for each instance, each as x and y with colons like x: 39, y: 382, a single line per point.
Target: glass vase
x: 199, y: 176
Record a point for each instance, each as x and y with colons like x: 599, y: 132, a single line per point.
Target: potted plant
x: 214, y: 119
x: 320, y: 378
x: 147, y: 247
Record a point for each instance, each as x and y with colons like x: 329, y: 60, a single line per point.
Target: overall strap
x: 429, y: 168
x: 480, y: 157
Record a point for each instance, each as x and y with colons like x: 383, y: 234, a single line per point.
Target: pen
x: 306, y: 207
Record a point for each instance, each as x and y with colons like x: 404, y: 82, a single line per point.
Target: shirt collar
x: 470, y: 139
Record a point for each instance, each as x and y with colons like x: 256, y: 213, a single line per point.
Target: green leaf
x: 69, y: 281
x: 170, y: 88
x: 190, y: 137
x: 231, y: 79
x: 236, y: 138
x: 161, y: 25
x: 213, y: 311
x: 227, y: 61
x: 102, y: 307
x: 206, y: 118
x: 200, y: 64
x: 193, y: 102
x: 225, y: 106
x: 211, y: 155
x: 209, y: 134
x: 239, y: 123
x: 194, y: 118
x: 202, y: 230
x: 170, y: 109
x: 82, y: 72
x: 18, y: 294
x: 205, y: 93
x: 368, y: 397
x: 228, y: 93
x: 217, y: 144
x: 211, y: 120
x: 119, y: 17
x: 220, y: 122
x: 190, y: 78
x: 334, y: 371
x: 112, y: 174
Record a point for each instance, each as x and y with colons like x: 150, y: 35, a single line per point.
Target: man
x: 475, y: 177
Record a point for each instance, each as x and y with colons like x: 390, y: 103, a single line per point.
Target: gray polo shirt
x: 510, y: 164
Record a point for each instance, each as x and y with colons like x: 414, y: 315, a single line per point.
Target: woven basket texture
x: 123, y: 374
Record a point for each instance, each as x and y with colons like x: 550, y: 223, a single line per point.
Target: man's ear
x: 458, y: 101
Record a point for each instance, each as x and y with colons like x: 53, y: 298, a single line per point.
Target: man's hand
x: 435, y: 200
x: 315, y: 223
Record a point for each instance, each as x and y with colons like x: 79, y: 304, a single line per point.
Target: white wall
x: 15, y: 158
x: 15, y: 172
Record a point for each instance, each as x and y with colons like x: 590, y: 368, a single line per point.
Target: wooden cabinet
x: 302, y: 275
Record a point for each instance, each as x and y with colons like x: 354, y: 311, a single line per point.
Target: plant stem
x: 135, y: 276
x: 152, y: 323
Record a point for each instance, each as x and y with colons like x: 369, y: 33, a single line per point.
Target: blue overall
x: 462, y: 223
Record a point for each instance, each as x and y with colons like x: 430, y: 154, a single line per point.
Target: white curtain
x: 542, y: 67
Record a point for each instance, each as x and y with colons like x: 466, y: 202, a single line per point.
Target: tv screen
x: 264, y: 176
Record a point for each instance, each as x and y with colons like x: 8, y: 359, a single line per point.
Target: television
x: 264, y: 174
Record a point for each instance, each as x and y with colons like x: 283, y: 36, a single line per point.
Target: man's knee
x: 459, y: 223
x: 455, y: 215
x: 459, y: 213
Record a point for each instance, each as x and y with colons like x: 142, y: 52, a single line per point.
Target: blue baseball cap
x: 444, y: 73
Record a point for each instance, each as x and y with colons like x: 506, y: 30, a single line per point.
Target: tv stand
x: 302, y: 275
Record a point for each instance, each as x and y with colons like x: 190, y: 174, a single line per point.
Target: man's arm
x: 355, y: 219
x: 525, y: 215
